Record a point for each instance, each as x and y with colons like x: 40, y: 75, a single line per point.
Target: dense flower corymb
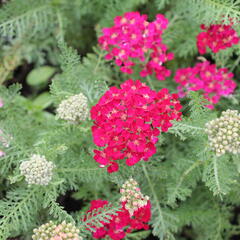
x: 51, y: 231
x: 127, y: 122
x: 217, y: 37
x: 205, y: 77
x: 132, y: 196
x: 224, y: 133
x: 37, y: 170
x: 133, y: 40
x: 74, y: 109
x: 123, y: 222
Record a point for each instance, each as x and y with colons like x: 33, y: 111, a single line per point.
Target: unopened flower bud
x: 132, y: 196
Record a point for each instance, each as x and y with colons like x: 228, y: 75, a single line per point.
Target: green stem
x: 150, y: 83
x: 215, y: 167
x: 185, y: 174
x: 235, y: 64
x: 138, y: 234
x: 98, y: 61
x: 61, y: 31
x: 154, y: 194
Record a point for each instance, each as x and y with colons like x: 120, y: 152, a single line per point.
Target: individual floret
x: 132, y: 196
x: 224, y: 133
x: 37, y: 170
x: 74, y: 109
x: 51, y: 231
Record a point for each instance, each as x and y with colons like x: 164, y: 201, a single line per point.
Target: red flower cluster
x: 134, y: 38
x: 205, y: 77
x: 126, y: 122
x: 122, y: 223
x: 216, y: 37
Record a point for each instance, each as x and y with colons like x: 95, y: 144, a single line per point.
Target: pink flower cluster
x: 205, y: 77
x: 122, y: 223
x: 133, y: 40
x: 127, y: 122
x: 216, y: 37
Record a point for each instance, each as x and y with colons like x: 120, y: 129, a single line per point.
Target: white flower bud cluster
x: 74, y: 109
x: 132, y: 196
x: 51, y: 231
x: 37, y: 170
x: 224, y: 133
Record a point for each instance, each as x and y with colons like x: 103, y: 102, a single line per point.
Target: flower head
x: 37, y: 170
x: 217, y: 37
x: 51, y: 231
x: 205, y: 77
x: 133, y: 40
x: 224, y: 133
x: 127, y: 122
x: 74, y: 109
x: 132, y: 196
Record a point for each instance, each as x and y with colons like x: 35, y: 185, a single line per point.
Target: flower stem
x: 150, y: 83
x: 154, y: 195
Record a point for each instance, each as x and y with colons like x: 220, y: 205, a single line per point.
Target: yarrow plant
x: 76, y: 118
x: 132, y: 196
x: 123, y: 222
x: 52, y: 231
x: 206, y: 78
x: 224, y: 133
x: 37, y: 170
x: 74, y: 109
x: 217, y: 37
x: 133, y: 40
x: 128, y: 121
